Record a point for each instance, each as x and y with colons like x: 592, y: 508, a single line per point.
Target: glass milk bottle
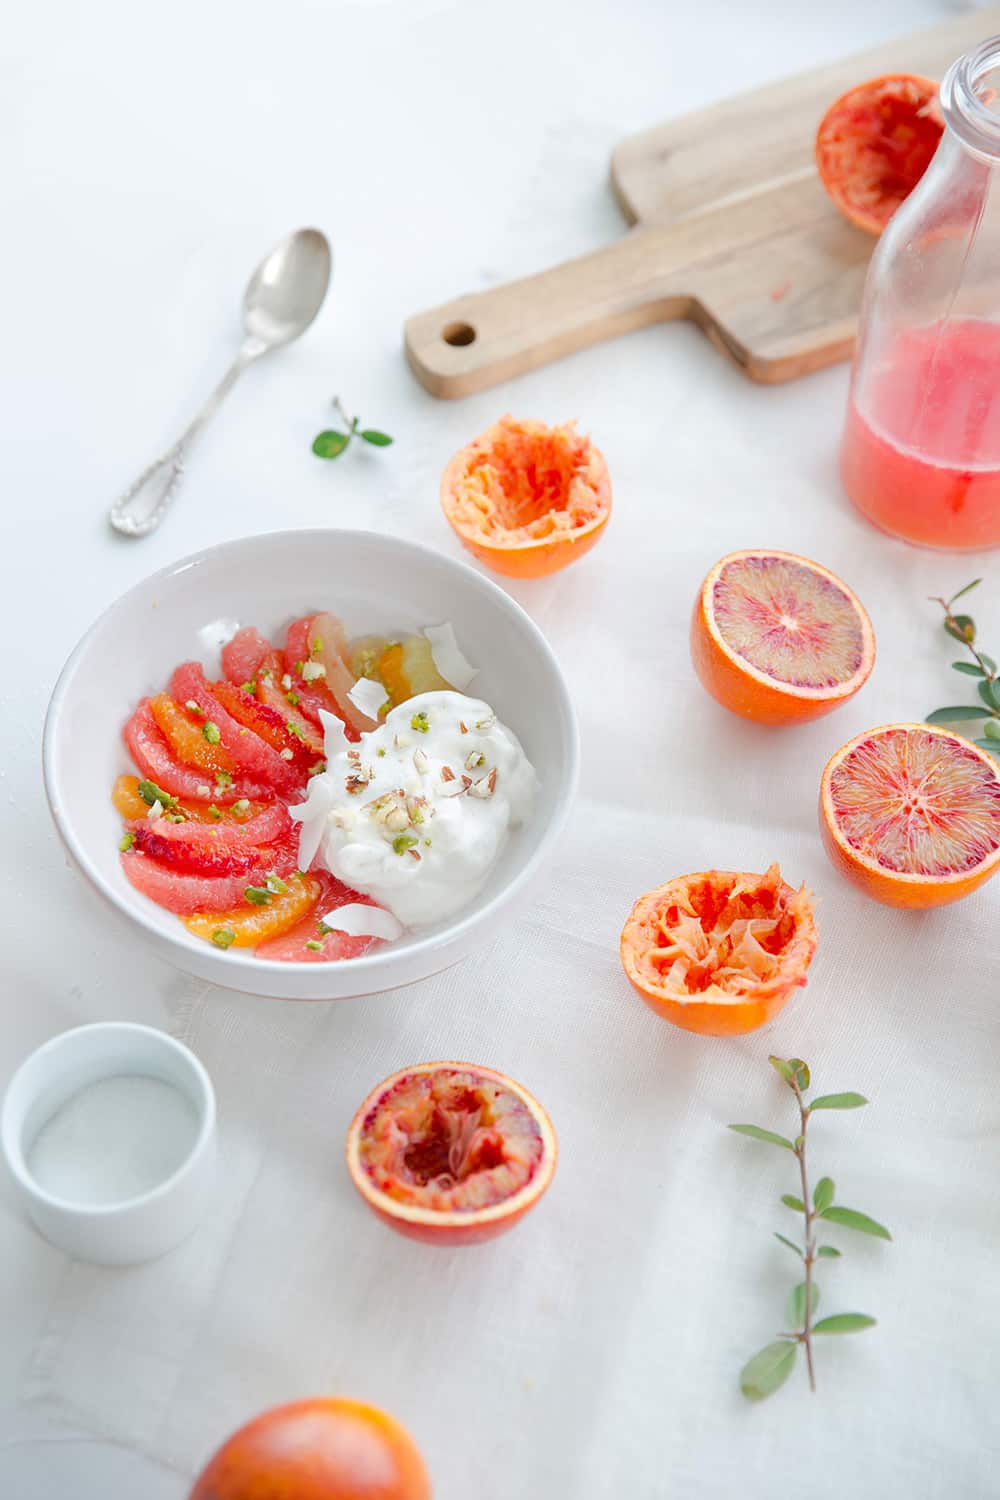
x: 921, y: 447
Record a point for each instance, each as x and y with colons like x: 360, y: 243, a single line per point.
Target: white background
x: 148, y: 156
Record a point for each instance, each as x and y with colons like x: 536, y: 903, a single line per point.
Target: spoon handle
x: 144, y: 504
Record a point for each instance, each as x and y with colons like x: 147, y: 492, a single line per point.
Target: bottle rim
x: 966, y: 112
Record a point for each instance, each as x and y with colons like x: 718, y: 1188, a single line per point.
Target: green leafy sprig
x: 331, y: 443
x: 962, y: 628
x: 771, y: 1367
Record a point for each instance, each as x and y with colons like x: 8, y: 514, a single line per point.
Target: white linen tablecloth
x: 147, y: 163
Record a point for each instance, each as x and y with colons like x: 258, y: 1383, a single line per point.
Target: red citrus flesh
x: 450, y: 1153
x: 327, y: 1448
x: 778, y: 638
x: 911, y: 814
x: 721, y: 951
x: 875, y: 143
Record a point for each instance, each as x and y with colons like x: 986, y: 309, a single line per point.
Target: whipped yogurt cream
x: 417, y: 813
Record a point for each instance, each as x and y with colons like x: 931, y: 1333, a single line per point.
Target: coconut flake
x: 334, y: 736
x: 357, y: 919
x: 448, y: 658
x: 313, y: 814
x: 368, y: 696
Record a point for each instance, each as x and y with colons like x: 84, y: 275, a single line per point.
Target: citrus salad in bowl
x: 319, y: 795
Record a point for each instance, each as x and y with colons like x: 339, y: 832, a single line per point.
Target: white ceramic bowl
x: 377, y: 584
x: 135, y: 1229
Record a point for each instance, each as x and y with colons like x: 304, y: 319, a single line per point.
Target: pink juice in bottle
x: 921, y: 448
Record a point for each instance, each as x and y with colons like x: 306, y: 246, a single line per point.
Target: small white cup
x: 135, y: 1229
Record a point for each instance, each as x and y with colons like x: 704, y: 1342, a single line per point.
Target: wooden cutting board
x: 734, y: 231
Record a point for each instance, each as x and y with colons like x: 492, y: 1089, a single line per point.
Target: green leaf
x: 828, y: 1252
x: 761, y: 1376
x: 759, y: 1134
x: 790, y: 1243
x: 990, y: 693
x: 966, y: 590
x: 852, y: 1219
x: 780, y: 1066
x: 955, y: 714
x: 991, y: 729
x: 801, y: 1071
x: 795, y: 1307
x: 993, y: 746
x: 970, y: 668
x: 987, y: 661
x: 844, y: 1323
x: 376, y: 438
x: 961, y: 628
x: 823, y: 1194
x: 330, y: 444
x: 790, y: 1202
x: 838, y: 1101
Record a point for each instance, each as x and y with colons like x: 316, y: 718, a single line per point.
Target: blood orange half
x: 875, y: 143
x: 719, y: 952
x: 527, y: 499
x: 911, y: 814
x: 777, y: 638
x: 450, y: 1153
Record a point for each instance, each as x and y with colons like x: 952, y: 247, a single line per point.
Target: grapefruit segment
x: 291, y: 704
x: 777, y: 638
x: 910, y: 813
x: 186, y: 893
x: 243, y: 655
x: 450, y: 1153
x: 875, y: 143
x: 719, y: 952
x: 152, y: 755
x: 205, y: 848
x: 312, y: 941
x: 249, y: 753
x: 527, y: 499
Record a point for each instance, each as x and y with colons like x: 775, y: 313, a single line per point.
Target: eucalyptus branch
x: 771, y: 1367
x: 962, y: 628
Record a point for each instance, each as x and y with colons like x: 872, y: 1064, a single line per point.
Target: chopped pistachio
x: 319, y: 767
x: 223, y: 779
x: 193, y: 707
x: 178, y: 818
x: 294, y: 729
x: 427, y: 843
x: 150, y: 793
x: 420, y: 723
x: 276, y: 884
x: 249, y: 686
x: 473, y: 759
x: 214, y: 811
x: 314, y: 946
x: 293, y: 698
x: 128, y: 840
x: 380, y: 750
x: 323, y: 929
x: 317, y: 645
x: 223, y: 937
x: 211, y: 732
x: 257, y: 895
x: 298, y: 667
x: 240, y: 808
x: 403, y: 841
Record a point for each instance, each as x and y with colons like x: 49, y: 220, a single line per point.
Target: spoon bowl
x: 288, y: 289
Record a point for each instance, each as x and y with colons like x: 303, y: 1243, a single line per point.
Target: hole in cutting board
x: 458, y: 334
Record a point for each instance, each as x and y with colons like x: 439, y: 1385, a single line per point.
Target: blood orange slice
x: 875, y: 143
x: 184, y: 732
x: 186, y: 894
x: 450, y: 1153
x: 911, y: 814
x: 527, y: 499
x: 251, y: 755
x: 777, y: 638
x: 719, y: 952
x: 225, y: 848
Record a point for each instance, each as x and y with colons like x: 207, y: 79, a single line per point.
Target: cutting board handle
x: 479, y: 340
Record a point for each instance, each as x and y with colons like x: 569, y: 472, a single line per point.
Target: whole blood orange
x: 874, y: 144
x: 451, y: 1153
x: 328, y: 1448
x: 777, y: 638
x: 911, y: 814
x: 527, y: 499
x: 719, y: 952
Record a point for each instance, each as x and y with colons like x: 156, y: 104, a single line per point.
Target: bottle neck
x: 970, y: 100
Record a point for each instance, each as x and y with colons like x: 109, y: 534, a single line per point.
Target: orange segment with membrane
x: 252, y: 924
x: 719, y: 952
x: 911, y: 814
x: 527, y: 499
x: 777, y: 638
x: 185, y: 734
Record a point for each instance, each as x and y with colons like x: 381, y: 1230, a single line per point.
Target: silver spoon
x: 282, y: 298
